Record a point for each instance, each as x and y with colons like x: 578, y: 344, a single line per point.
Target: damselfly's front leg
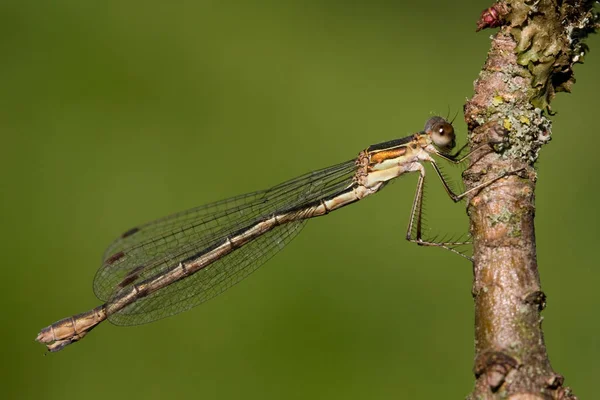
x: 454, y: 158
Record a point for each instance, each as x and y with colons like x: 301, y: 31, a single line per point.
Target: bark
x: 530, y: 59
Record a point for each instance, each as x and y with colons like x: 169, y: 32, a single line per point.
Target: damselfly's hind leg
x: 414, y: 231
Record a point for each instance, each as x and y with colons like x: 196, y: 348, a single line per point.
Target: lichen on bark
x: 531, y: 59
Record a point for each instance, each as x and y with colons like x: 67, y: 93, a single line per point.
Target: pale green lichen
x: 549, y: 43
x: 526, y: 131
x: 511, y: 219
x: 503, y: 217
x: 529, y: 131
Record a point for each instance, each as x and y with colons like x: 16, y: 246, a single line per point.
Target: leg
x: 416, y: 211
x: 453, y: 157
x: 457, y: 197
x: 416, y: 219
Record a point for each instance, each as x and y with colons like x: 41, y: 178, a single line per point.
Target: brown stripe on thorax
x: 383, y: 155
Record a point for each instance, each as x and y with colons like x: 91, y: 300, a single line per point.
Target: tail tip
x: 45, y: 335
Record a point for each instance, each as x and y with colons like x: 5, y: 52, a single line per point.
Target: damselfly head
x: 441, y: 133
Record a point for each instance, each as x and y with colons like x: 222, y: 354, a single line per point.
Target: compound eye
x: 441, y: 133
x: 444, y: 137
x: 446, y: 130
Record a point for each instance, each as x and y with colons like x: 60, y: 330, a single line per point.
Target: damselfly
x: 175, y: 263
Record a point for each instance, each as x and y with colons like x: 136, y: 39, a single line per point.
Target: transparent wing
x: 208, y: 282
x: 152, y: 248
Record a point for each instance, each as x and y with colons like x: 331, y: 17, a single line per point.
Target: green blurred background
x: 115, y: 113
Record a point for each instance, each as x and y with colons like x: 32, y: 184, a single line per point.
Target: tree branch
x: 531, y: 58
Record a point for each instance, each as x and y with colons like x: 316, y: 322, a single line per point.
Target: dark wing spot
x: 129, y: 232
x: 131, y: 276
x: 117, y: 256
